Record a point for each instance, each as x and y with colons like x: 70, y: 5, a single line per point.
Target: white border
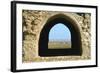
x: 35, y: 65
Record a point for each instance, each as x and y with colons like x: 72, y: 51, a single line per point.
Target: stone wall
x: 34, y: 21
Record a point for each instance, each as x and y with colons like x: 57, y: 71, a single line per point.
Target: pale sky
x: 59, y: 32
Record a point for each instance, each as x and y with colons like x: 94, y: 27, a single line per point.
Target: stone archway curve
x: 75, y: 30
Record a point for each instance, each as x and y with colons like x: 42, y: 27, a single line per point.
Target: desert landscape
x: 59, y: 44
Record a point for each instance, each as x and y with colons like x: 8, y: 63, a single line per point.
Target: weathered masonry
x: 36, y: 24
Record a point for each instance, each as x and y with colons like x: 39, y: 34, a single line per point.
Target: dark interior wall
x: 76, y: 48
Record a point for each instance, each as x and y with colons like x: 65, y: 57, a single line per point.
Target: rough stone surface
x: 34, y: 21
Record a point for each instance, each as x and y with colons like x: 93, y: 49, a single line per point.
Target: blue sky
x: 59, y: 32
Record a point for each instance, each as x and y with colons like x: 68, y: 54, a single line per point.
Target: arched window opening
x: 59, y: 37
x: 45, y: 37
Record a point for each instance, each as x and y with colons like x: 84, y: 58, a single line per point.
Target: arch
x: 58, y: 38
x: 76, y: 48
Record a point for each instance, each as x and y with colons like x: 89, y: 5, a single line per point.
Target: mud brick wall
x: 34, y: 21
